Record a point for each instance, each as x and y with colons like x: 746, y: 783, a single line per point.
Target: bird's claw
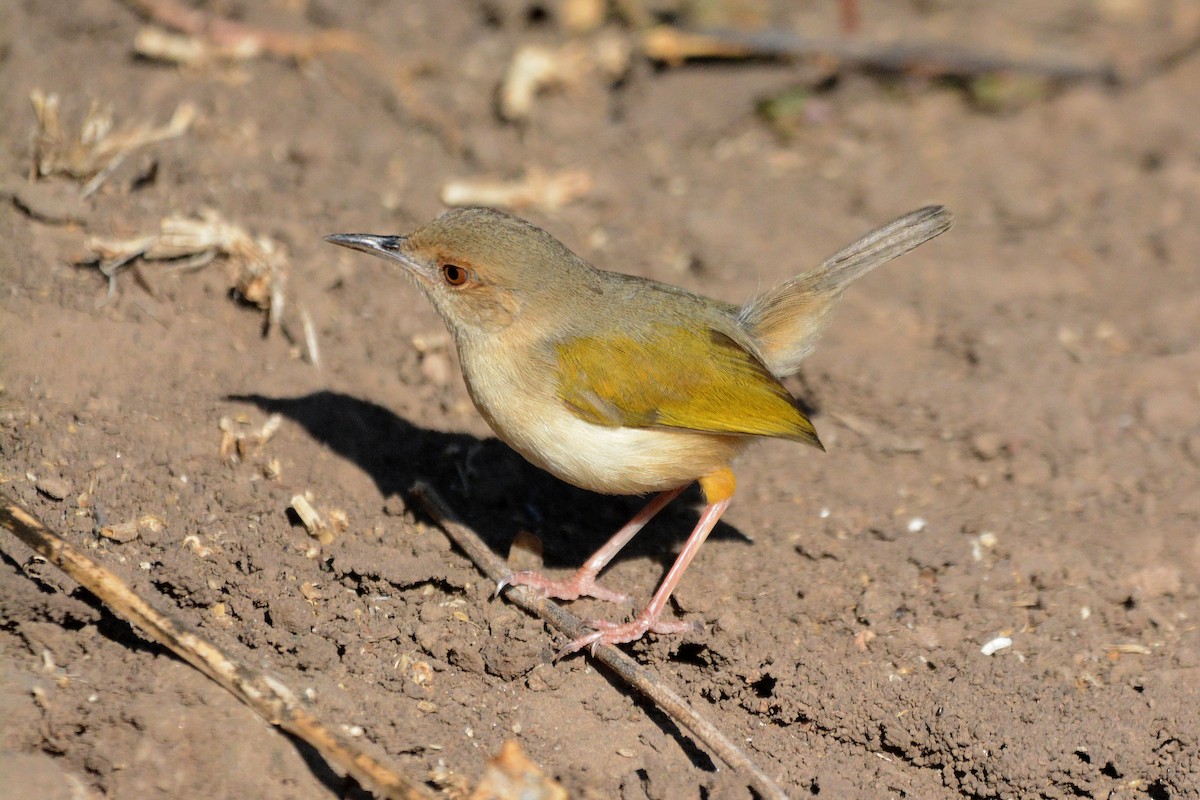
x: 578, y: 585
x: 607, y: 632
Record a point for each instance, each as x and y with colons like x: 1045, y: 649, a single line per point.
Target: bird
x: 620, y: 384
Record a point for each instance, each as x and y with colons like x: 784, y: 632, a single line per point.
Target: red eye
x: 455, y: 275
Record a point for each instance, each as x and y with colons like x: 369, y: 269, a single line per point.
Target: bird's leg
x: 718, y: 491
x: 583, y: 582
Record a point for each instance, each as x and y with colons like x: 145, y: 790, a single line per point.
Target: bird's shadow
x: 490, y: 486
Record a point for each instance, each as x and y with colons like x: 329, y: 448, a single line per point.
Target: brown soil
x: 1012, y: 416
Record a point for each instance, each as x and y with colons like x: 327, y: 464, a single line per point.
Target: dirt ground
x: 1012, y: 412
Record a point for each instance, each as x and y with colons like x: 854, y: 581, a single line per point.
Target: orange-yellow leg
x: 718, y: 491
x: 583, y: 582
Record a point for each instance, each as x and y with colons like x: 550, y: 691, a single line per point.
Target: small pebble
x: 394, y: 506
x: 122, y: 532
x: 54, y: 488
x: 996, y: 645
x: 436, y: 369
x: 986, y: 446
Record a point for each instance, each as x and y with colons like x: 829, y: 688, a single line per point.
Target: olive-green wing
x: 677, y: 377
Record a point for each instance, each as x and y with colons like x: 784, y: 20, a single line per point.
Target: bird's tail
x: 786, y: 321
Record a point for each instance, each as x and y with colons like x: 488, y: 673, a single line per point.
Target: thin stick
x: 267, y: 696
x: 241, y: 40
x: 628, y: 670
x: 931, y: 59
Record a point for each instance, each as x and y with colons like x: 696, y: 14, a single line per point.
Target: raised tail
x: 785, y: 322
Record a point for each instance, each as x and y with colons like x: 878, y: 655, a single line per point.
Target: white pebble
x: 996, y: 645
x: 824, y: 513
x: 916, y: 525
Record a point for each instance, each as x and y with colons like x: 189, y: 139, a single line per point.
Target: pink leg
x: 583, y: 582
x: 648, y: 620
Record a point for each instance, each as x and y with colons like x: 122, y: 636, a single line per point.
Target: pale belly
x: 533, y: 421
x: 620, y: 460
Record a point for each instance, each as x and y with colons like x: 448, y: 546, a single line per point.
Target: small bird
x: 620, y: 384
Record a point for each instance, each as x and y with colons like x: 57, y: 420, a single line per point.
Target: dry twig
x: 257, y: 264
x: 634, y: 674
x: 209, y: 37
x: 267, y: 696
x: 238, y: 439
x: 673, y: 46
x: 321, y: 528
x: 546, y: 191
x: 97, y: 149
x: 535, y: 68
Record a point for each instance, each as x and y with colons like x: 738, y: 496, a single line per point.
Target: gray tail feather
x: 880, y: 246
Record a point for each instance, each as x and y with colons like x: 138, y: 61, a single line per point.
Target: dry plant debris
x: 188, y: 50
x: 545, y: 191
x: 673, y: 46
x: 203, y: 37
x: 97, y: 149
x: 257, y: 264
x: 582, y: 16
x: 158, y: 44
x: 265, y: 694
x: 535, y: 68
x: 512, y: 776
x: 238, y: 440
x: 317, y: 525
x: 123, y: 532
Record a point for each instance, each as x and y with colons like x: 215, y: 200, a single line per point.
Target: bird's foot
x: 622, y: 632
x: 581, y: 584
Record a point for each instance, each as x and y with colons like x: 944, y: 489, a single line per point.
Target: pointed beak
x: 389, y: 248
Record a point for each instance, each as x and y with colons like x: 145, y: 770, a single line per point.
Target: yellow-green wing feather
x: 677, y: 377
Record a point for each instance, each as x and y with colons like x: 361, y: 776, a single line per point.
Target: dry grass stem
x: 257, y: 264
x: 208, y: 37
x: 238, y: 440
x: 97, y: 149
x: 545, y: 191
x: 674, y: 46
x: 266, y: 695
x: 536, y: 68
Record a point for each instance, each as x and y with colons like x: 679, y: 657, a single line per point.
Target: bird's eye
x: 455, y: 275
